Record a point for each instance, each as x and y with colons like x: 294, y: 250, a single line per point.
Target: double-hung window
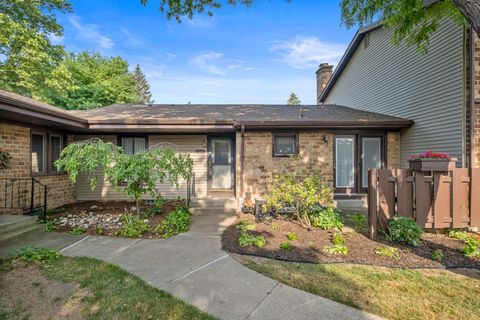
x: 132, y: 145
x: 45, y: 150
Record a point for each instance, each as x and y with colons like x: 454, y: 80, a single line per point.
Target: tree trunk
x: 471, y: 11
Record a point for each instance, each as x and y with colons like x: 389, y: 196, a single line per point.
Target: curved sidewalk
x: 194, y: 268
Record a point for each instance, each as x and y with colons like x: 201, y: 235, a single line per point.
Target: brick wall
x: 259, y: 163
x: 393, y: 150
x: 15, y: 140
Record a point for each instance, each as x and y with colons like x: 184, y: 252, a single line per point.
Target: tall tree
x: 142, y: 86
x: 29, y: 63
x: 293, y: 100
x: 96, y: 81
x: 413, y: 20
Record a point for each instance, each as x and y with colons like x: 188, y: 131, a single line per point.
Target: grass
x: 390, y: 293
x: 116, y: 294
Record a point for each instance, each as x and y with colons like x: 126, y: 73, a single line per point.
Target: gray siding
x: 398, y: 81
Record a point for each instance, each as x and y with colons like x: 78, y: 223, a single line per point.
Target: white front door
x: 221, y: 163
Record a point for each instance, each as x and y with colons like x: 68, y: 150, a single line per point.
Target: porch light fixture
x: 325, y: 138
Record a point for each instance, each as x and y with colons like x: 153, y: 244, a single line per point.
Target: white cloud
x: 200, y: 23
x: 214, y: 62
x: 131, y: 39
x: 90, y: 32
x: 171, y: 56
x: 304, y: 52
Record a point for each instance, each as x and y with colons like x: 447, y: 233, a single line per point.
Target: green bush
x: 459, y: 235
x: 132, y: 227
x: 245, y: 225
x: 285, y: 245
x: 34, y: 254
x: 176, y: 222
x: 338, y: 238
x: 359, y: 221
x: 275, y: 226
x: 405, y: 230
x: 49, y: 226
x: 295, y: 188
x: 338, y: 246
x: 99, y: 230
x: 326, y: 218
x: 438, y: 255
x: 247, y: 239
x: 471, y: 248
x: 78, y: 230
x: 388, y: 252
x: 292, y: 236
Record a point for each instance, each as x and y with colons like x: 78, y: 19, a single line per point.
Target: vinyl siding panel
x: 195, y: 145
x: 398, y: 81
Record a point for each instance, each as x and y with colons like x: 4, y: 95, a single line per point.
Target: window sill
x: 284, y: 155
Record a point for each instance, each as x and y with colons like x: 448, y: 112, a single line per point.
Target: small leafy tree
x: 135, y: 175
x: 294, y: 187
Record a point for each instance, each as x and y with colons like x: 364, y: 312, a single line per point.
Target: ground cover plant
x: 121, y: 219
x: 393, y: 293
x: 60, y: 287
x: 341, y: 246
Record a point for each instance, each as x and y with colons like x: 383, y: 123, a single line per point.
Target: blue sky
x: 257, y: 54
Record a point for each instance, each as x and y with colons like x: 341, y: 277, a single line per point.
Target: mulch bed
x: 310, y: 244
x: 91, y: 214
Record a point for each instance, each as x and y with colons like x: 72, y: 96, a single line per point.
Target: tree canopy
x: 30, y: 60
x: 293, y: 100
x: 95, y: 81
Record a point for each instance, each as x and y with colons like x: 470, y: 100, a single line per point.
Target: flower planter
x: 426, y: 164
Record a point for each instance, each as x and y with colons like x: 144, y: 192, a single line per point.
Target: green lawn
x: 390, y: 293
x: 115, y: 293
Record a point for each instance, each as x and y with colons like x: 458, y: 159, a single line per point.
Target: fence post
x: 372, y: 204
x: 475, y: 198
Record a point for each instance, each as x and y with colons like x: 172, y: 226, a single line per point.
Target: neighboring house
x: 433, y: 89
x: 234, y: 147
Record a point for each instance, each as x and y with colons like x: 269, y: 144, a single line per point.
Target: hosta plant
x: 405, y: 230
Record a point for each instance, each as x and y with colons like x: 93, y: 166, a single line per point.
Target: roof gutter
x: 324, y: 124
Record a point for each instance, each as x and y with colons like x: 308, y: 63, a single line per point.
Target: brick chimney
x: 324, y: 74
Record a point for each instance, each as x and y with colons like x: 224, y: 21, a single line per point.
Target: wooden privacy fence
x: 449, y: 199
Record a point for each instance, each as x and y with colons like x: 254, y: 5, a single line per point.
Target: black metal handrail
x: 28, y: 195
x: 190, y: 188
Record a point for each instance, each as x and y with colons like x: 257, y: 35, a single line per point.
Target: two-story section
x: 432, y: 89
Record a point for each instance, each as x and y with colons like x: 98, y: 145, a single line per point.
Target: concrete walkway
x: 193, y: 267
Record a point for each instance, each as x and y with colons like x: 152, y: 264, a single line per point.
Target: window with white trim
x: 39, y: 152
x: 285, y: 144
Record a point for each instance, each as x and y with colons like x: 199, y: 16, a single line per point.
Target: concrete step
x: 20, y: 231
x: 352, y: 204
x: 9, y: 222
x: 219, y: 211
x: 214, y: 203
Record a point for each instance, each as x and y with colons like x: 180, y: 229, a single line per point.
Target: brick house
x: 440, y: 90
x: 234, y: 147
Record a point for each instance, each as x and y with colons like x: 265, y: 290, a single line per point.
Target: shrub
x: 459, y: 235
x: 275, y: 226
x: 4, y: 159
x: 297, y: 189
x: 471, y: 248
x: 78, y: 230
x: 405, y: 230
x: 338, y: 238
x: 247, y: 239
x: 438, y: 255
x: 245, y: 225
x: 326, y: 218
x: 285, y: 245
x: 292, y: 236
x: 388, y: 252
x: 132, y: 227
x: 49, y: 226
x: 176, y: 222
x: 336, y: 249
x: 34, y: 254
x: 338, y: 246
x: 55, y: 210
x: 359, y: 221
x: 99, y: 230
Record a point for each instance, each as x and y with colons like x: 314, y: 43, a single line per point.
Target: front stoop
x: 12, y: 226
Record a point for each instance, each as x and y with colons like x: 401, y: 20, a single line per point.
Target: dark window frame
x: 47, y: 145
x: 133, y: 136
x: 293, y: 135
